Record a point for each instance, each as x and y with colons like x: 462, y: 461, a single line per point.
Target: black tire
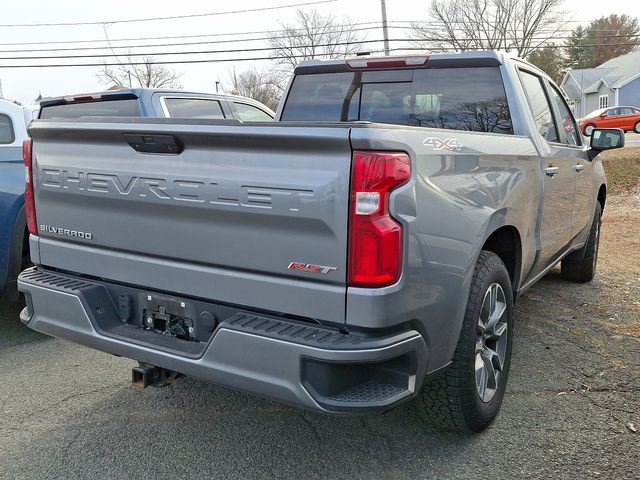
x: 580, y: 266
x: 586, y: 127
x: 636, y: 127
x: 452, y: 400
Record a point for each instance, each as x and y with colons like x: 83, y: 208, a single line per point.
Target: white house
x: 614, y: 83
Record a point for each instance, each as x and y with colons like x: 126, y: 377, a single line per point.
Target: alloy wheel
x: 491, y: 342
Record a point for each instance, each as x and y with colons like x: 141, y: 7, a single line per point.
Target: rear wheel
x: 468, y: 395
x: 636, y: 127
x: 580, y: 266
x: 588, y: 130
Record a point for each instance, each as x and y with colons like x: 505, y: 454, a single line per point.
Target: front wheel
x: 580, y: 266
x: 468, y: 395
x: 588, y: 130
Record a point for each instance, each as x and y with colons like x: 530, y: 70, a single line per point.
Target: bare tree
x: 313, y: 36
x: 146, y: 75
x: 258, y: 85
x: 521, y: 26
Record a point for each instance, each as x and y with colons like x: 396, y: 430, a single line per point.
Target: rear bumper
x: 293, y: 362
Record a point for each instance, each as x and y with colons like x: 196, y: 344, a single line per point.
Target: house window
x: 603, y: 101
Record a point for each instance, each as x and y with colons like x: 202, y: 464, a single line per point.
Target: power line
x: 235, y: 59
x: 135, y: 39
x: 110, y: 45
x: 258, y: 32
x: 269, y: 48
x: 172, y: 17
x: 175, y: 62
x: 202, y: 52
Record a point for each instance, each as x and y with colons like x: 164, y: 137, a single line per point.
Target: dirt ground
x: 619, y: 257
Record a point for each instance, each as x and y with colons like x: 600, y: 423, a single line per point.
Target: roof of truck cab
x: 138, y: 93
x: 488, y: 56
x: 469, y: 58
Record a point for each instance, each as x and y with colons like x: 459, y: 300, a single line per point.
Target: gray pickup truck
x: 365, y: 249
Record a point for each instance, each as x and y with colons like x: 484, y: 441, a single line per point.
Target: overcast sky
x: 24, y: 84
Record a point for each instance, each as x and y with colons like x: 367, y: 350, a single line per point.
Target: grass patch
x: 623, y: 169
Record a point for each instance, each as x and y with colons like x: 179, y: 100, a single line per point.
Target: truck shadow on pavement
x: 573, y: 387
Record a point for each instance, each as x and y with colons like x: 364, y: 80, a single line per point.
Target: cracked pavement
x: 574, y: 387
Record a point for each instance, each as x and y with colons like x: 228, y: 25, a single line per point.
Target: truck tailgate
x: 223, y: 219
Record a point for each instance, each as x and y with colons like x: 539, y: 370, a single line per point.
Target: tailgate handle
x: 154, y: 143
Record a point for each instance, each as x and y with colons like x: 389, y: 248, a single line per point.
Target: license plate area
x: 169, y: 316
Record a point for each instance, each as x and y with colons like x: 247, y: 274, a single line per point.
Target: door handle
x: 551, y: 171
x: 578, y: 167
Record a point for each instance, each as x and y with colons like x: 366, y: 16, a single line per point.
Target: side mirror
x: 606, y: 139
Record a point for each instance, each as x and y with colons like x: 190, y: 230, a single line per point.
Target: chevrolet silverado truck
x: 137, y: 102
x: 363, y: 250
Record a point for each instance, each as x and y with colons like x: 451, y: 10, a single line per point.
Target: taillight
x: 29, y: 204
x: 375, y: 238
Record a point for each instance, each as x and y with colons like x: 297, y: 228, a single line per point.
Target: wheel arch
x: 505, y: 241
x: 602, y: 195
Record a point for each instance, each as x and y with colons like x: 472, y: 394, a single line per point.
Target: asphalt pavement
x: 69, y: 412
x: 632, y: 139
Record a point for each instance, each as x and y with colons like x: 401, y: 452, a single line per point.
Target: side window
x: 193, y: 108
x: 6, y: 129
x: 539, y: 105
x: 467, y: 98
x: 568, y: 125
x: 249, y: 113
x: 626, y: 111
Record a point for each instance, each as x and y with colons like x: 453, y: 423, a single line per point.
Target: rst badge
x: 309, y: 267
x: 436, y: 143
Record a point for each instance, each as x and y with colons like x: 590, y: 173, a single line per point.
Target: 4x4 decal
x: 436, y: 143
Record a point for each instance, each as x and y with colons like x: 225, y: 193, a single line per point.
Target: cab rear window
x: 102, y: 108
x: 470, y: 99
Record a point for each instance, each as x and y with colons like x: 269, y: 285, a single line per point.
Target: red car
x: 627, y: 118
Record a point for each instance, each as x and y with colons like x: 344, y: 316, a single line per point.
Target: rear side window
x: 193, y: 108
x: 249, y: 113
x: 539, y: 105
x: 319, y: 97
x: 104, y: 108
x: 6, y: 129
x: 470, y: 99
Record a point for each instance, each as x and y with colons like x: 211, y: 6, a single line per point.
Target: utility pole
x: 385, y: 30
